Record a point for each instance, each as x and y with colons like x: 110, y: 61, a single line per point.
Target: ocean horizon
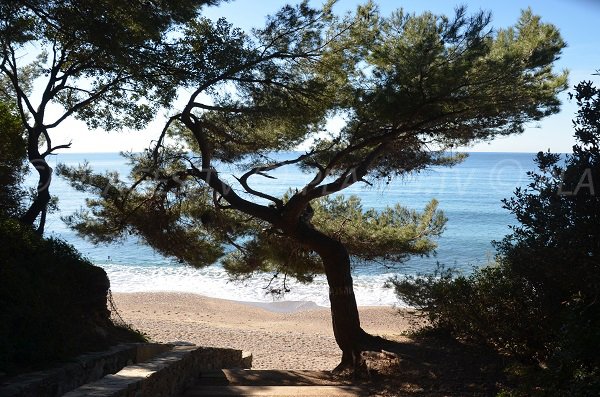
x: 469, y: 193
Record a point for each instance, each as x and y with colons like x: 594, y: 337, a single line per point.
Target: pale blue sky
x: 577, y: 20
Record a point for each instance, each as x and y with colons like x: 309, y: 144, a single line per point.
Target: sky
x: 577, y: 21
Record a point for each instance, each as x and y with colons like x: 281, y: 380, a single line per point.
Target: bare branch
x: 234, y: 244
x: 299, y: 90
x: 48, y: 141
x: 271, y: 281
x: 13, y: 76
x: 244, y: 182
x: 217, y: 201
x: 162, y: 135
x: 211, y: 178
x: 299, y: 201
x: 52, y: 149
x: 321, y: 175
x: 229, y: 109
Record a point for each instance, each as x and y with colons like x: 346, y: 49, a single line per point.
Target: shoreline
x: 280, y: 335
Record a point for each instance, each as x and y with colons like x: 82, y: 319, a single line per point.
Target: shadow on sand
x: 434, y: 366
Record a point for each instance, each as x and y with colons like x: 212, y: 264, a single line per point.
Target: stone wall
x: 168, y: 374
x: 83, y: 369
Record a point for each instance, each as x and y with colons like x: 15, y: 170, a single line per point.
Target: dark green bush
x: 13, y: 164
x: 541, y: 300
x: 489, y: 306
x: 52, y: 302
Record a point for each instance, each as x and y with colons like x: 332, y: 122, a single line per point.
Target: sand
x: 284, y: 335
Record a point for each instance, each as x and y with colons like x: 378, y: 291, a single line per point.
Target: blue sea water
x: 470, y: 195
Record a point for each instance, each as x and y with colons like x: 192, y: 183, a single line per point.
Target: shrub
x: 52, y: 301
x: 13, y: 165
x: 489, y: 306
x: 541, y: 300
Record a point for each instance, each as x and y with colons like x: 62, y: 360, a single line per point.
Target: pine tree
x: 408, y: 88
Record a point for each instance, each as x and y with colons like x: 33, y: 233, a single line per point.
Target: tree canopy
x: 408, y: 87
x: 103, y: 62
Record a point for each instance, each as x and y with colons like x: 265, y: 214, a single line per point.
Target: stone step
x: 246, y: 382
x: 274, y: 391
x: 215, y: 377
x: 248, y: 377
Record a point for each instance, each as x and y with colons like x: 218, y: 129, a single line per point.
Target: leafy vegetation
x: 540, y: 301
x: 100, y: 61
x: 12, y: 161
x: 54, y: 302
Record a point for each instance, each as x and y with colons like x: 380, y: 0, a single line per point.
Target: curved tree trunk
x: 39, y: 206
x: 348, y: 334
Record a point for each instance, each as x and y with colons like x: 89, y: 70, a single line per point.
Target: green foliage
x: 53, y: 302
x: 108, y: 63
x: 407, y: 87
x: 392, y: 234
x: 433, y: 80
x: 489, y: 306
x: 559, y: 215
x: 540, y: 301
x: 274, y: 253
x: 101, y: 60
x: 404, y: 84
x: 264, y: 93
x: 12, y: 161
x: 180, y: 220
x: 163, y: 218
x: 556, y: 246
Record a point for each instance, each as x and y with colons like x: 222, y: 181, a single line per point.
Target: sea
x: 469, y: 193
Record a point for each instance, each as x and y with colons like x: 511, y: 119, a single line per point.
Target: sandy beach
x: 277, y: 337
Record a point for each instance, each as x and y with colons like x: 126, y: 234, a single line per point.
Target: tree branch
x: 80, y: 105
x: 210, y: 176
x: 244, y: 182
x: 13, y: 76
x: 226, y: 108
x: 161, y: 138
x: 217, y: 201
x: 299, y: 201
x: 50, y: 150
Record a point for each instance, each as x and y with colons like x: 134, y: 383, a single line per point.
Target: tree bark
x: 39, y: 206
x: 348, y: 333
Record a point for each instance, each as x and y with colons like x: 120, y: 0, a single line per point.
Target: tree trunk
x: 344, y: 311
x: 39, y: 205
